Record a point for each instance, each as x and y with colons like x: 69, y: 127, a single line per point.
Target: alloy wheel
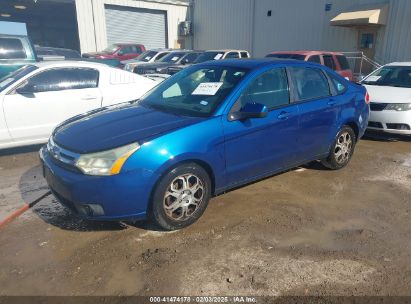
x: 343, y: 147
x: 183, y: 197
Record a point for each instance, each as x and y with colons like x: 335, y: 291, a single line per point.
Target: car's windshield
x: 111, y: 48
x: 393, y: 76
x: 287, y: 56
x: 147, y: 56
x: 11, y: 78
x: 173, y: 57
x: 195, y: 91
x: 206, y: 56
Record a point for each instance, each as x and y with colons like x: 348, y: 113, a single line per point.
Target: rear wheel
x: 342, y: 150
x: 181, y: 197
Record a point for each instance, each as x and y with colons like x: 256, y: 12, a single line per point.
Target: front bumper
x: 395, y: 122
x: 118, y: 197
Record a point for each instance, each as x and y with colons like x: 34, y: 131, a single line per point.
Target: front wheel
x: 342, y: 150
x: 181, y: 197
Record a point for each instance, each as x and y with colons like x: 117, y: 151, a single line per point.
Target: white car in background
x: 390, y: 94
x: 37, y: 97
x: 146, y: 57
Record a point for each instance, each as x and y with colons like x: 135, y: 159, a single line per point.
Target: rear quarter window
x: 11, y: 48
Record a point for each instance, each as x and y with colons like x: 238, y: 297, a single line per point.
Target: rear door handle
x: 332, y: 102
x: 89, y: 97
x: 283, y: 115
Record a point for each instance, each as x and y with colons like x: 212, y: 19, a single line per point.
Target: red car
x: 334, y: 60
x: 120, y: 51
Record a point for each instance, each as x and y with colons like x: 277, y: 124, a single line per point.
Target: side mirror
x: 250, y: 110
x: 26, y: 90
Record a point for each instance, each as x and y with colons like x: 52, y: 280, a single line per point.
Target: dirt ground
x: 308, y: 231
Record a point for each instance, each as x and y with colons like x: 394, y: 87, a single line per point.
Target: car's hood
x: 115, y: 126
x: 129, y: 61
x: 98, y: 54
x: 386, y: 94
x: 155, y: 65
x: 135, y: 63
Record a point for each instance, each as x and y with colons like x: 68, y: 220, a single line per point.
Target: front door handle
x: 283, y: 115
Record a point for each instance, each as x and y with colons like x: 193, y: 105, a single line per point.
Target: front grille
x: 172, y: 71
x: 62, y: 157
x: 397, y: 126
x: 374, y: 124
x: 139, y: 71
x: 374, y: 106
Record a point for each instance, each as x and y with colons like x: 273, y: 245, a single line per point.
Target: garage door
x: 136, y: 25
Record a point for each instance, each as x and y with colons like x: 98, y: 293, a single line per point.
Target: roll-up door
x: 136, y: 25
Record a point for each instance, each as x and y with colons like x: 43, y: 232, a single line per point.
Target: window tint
x: 232, y: 55
x: 309, y: 83
x: 315, y: 59
x: 11, y: 48
x: 63, y: 79
x: 244, y: 55
x: 329, y: 62
x: 342, y: 60
x: 269, y: 89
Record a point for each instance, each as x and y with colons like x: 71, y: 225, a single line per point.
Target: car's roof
x: 405, y: 63
x: 64, y: 63
x: 307, y: 53
x: 251, y: 63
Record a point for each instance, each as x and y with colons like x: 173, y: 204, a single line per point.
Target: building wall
x: 92, y: 21
x: 296, y: 25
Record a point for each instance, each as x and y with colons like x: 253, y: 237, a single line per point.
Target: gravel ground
x: 308, y: 231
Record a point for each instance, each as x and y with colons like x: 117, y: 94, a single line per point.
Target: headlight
x: 107, y: 162
x: 398, y: 107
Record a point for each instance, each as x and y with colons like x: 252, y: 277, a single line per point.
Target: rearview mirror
x: 250, y: 110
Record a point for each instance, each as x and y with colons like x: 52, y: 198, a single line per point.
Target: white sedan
x: 390, y: 94
x: 37, y: 97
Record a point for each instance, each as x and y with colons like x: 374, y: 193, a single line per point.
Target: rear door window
x: 342, y: 60
x: 244, y: 55
x: 329, y: 61
x: 63, y: 79
x: 309, y: 83
x: 12, y: 48
x: 315, y: 59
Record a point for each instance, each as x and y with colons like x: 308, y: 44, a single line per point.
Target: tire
x: 187, y: 187
x: 342, y: 149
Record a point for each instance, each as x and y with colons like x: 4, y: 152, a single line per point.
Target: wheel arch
x: 171, y: 165
x: 353, y: 125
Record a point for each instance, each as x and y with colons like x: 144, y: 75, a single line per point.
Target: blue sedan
x: 210, y: 128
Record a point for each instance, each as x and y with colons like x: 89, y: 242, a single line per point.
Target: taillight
x: 367, y: 98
